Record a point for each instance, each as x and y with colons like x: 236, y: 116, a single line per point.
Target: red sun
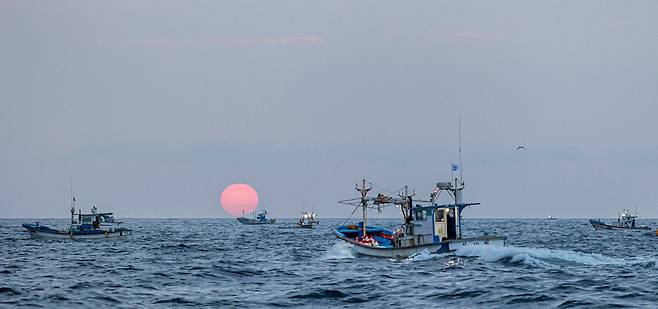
x: 238, y: 198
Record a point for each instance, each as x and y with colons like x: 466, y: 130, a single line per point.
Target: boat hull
x: 598, y: 225
x: 246, y: 221
x: 48, y: 233
x: 440, y: 247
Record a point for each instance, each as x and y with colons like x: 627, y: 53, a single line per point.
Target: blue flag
x: 455, y: 167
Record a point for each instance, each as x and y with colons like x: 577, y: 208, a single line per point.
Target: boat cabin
x: 430, y: 224
x: 95, y: 221
x: 626, y: 219
x: 262, y: 216
x: 437, y: 223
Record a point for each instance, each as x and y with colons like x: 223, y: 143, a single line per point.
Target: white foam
x: 537, y: 256
x: 421, y: 256
x: 451, y: 262
x: 340, y: 250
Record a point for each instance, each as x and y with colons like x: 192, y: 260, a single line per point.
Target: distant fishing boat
x: 625, y: 221
x: 94, y: 225
x: 260, y: 218
x: 308, y: 220
x: 428, y: 226
x: 551, y: 218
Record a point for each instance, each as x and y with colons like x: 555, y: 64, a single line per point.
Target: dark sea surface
x: 219, y: 263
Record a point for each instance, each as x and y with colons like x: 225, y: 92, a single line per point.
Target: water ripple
x: 218, y: 263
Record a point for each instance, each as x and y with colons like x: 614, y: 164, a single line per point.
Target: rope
x: 350, y: 217
x: 378, y: 186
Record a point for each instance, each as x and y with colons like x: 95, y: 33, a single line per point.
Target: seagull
x: 520, y: 148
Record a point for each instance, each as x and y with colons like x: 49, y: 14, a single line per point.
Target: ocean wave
x: 421, y: 256
x: 340, y: 250
x: 108, y: 299
x: 539, y: 256
x: 457, y: 294
x: 232, y: 271
x: 259, y: 267
x: 8, y: 291
x: 176, y: 300
x: 319, y: 294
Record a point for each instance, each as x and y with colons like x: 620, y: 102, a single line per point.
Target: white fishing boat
x: 427, y: 225
x: 308, y: 220
x: 625, y: 221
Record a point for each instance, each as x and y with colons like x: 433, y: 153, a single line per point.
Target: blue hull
x: 40, y: 231
x: 248, y: 221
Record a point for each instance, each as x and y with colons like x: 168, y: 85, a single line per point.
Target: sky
x: 154, y: 107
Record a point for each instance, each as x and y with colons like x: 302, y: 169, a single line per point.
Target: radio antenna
x: 461, y: 168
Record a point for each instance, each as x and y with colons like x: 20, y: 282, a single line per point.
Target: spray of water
x: 340, y: 250
x: 541, y: 257
x: 422, y: 256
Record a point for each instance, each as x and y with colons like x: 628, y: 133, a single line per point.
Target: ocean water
x: 219, y: 263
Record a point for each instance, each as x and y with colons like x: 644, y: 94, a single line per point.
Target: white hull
x: 609, y: 227
x: 447, y: 246
x: 598, y: 225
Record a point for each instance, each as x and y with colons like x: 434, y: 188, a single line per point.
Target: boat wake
x: 425, y: 255
x: 541, y: 257
x: 422, y: 256
x: 340, y: 250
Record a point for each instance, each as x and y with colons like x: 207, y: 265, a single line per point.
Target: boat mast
x: 407, y: 210
x: 461, y: 179
x: 72, y: 202
x: 459, y: 187
x: 364, y: 203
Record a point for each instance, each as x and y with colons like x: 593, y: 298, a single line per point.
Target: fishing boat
x: 260, y: 218
x: 308, y: 220
x: 551, y: 218
x: 625, y: 221
x: 427, y: 225
x: 94, y: 225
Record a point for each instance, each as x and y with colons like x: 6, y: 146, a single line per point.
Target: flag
x: 74, y: 198
x: 455, y: 167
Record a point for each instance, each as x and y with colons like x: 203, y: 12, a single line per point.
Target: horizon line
x: 497, y: 218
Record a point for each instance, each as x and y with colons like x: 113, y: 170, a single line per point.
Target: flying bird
x: 520, y: 148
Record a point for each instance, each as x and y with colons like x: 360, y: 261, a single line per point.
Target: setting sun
x: 239, y: 198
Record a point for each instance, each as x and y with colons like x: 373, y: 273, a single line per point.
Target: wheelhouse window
x: 438, y: 215
x: 420, y: 215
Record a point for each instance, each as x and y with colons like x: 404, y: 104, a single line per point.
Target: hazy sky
x: 156, y: 106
